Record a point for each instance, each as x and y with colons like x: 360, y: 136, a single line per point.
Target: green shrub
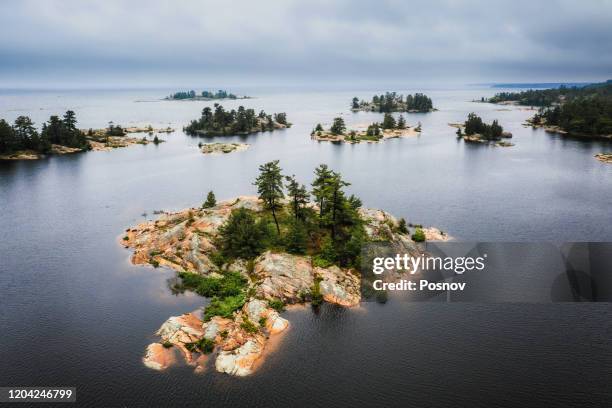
x: 126, y: 238
x: 217, y: 258
x: 402, y: 228
x: 223, y: 307
x: 419, y: 235
x: 241, y: 236
x: 320, y: 262
x: 248, y: 326
x: 296, y: 238
x: 328, y: 251
x: 202, y: 345
x: 262, y: 321
x: 277, y: 305
x: 205, y: 345
x: 316, y: 298
x: 167, y: 344
x: 231, y: 284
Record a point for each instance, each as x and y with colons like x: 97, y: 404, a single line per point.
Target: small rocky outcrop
x: 237, y: 343
x: 158, y: 357
x: 358, y: 136
x: 34, y: 155
x: 604, y: 157
x: 218, y: 148
x: 291, y: 278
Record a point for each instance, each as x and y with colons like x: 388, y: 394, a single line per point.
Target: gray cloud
x: 177, y: 42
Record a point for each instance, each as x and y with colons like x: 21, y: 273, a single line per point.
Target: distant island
x: 235, y: 122
x: 392, y: 102
x: 204, y: 95
x: 584, y: 111
x: 58, y: 136
x: 253, y: 256
x: 474, y: 130
x: 389, y: 128
x: 22, y: 141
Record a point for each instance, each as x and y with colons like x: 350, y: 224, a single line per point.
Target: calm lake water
x: 75, y: 312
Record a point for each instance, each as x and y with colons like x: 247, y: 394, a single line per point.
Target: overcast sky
x: 186, y: 43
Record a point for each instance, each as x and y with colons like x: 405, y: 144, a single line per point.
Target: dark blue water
x: 75, y: 312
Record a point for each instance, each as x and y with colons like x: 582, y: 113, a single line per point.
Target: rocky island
x: 375, y: 132
x: 115, y: 136
x: 392, y: 102
x: 474, y: 130
x: 216, y: 148
x: 252, y: 256
x: 203, y: 96
x: 235, y: 122
x: 22, y: 141
x: 604, y: 157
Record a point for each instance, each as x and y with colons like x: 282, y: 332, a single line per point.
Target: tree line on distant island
x: 23, y: 135
x: 240, y: 121
x: 393, y: 102
x: 583, y: 111
x: 220, y: 94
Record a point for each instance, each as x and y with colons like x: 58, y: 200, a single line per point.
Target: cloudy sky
x: 155, y: 42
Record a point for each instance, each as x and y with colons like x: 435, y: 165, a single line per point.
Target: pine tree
x: 241, y: 236
x: 270, y: 187
x: 319, y: 186
x: 211, y: 200
x: 401, y: 123
x: 26, y: 133
x: 388, y: 121
x: 298, y: 195
x: 8, y: 141
x: 296, y: 239
x: 338, y: 127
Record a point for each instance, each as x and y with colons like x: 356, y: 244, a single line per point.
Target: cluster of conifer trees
x: 220, y: 94
x: 333, y: 233
x: 393, y: 102
x: 23, y: 135
x: 474, y: 125
x: 582, y: 116
x: 240, y: 121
